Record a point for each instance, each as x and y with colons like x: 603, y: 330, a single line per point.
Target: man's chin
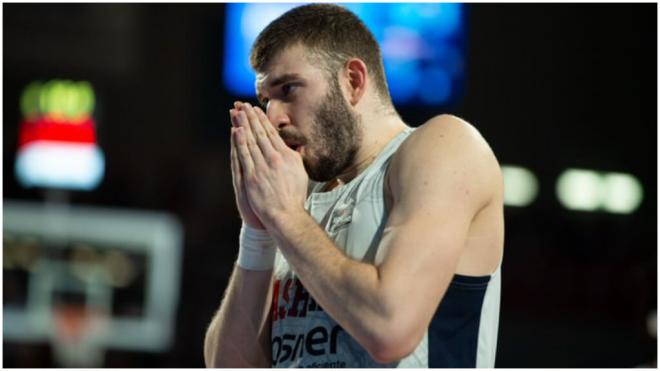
x: 320, y: 176
x: 314, y: 174
x: 322, y: 169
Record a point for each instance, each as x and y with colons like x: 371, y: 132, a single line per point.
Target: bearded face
x: 333, y: 140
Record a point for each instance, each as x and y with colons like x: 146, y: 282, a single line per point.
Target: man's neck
x: 377, y: 133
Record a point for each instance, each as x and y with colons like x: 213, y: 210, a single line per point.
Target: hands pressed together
x: 269, y: 178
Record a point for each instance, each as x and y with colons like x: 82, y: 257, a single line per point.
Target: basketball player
x: 365, y: 242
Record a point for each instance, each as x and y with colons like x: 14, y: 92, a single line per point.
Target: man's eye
x: 287, y: 88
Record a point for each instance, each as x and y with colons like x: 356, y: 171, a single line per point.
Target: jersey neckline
x: 330, y: 195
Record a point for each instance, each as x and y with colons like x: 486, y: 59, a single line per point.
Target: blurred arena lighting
x: 66, y: 99
x: 623, y: 193
x: 589, y: 190
x: 520, y: 186
x: 580, y: 189
x: 68, y: 268
x: 57, y: 137
x: 422, y: 44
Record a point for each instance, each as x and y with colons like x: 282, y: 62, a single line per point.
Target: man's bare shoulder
x: 445, y: 146
x: 441, y: 133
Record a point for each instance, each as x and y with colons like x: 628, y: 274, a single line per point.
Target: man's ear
x: 356, y: 75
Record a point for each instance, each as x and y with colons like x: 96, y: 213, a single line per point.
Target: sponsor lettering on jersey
x: 292, y: 300
x: 317, y: 342
x: 285, y: 304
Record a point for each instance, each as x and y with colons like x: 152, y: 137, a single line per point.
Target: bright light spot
x: 520, y: 186
x: 68, y: 165
x: 623, y: 193
x: 66, y: 97
x: 580, y: 189
x: 588, y: 190
x: 257, y: 16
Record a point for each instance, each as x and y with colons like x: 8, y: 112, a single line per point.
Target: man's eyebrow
x: 278, y: 81
x: 284, y: 78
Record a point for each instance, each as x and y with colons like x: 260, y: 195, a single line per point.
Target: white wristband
x: 256, y: 249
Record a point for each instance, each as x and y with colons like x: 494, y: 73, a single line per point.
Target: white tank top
x: 354, y: 215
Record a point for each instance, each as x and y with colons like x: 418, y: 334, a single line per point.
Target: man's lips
x: 295, y: 146
x: 295, y: 142
x: 292, y: 145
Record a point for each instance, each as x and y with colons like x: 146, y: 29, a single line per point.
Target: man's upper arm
x: 440, y: 178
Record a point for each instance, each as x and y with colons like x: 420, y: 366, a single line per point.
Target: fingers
x: 241, y: 162
x: 241, y: 144
x: 245, y: 153
x: 249, y: 153
x: 246, y: 165
x: 260, y: 139
x: 235, y: 165
x: 274, y: 137
x: 260, y: 131
x: 271, y: 132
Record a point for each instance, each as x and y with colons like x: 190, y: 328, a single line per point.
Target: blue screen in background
x: 423, y: 47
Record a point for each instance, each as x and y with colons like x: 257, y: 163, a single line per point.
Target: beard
x: 334, y: 139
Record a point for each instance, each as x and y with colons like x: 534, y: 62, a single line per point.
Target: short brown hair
x: 332, y: 32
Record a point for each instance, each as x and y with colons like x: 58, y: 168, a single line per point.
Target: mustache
x: 291, y: 136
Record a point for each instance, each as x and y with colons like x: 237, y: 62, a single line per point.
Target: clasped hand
x: 269, y: 178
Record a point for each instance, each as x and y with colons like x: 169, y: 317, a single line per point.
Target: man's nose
x: 277, y: 114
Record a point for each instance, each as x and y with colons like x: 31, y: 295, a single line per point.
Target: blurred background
x: 119, y: 223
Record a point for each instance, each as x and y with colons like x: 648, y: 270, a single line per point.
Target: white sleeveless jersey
x: 463, y: 332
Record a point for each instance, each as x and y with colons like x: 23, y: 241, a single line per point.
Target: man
x: 390, y: 256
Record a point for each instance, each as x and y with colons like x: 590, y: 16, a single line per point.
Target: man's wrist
x: 287, y: 228
x: 282, y: 221
x: 256, y: 249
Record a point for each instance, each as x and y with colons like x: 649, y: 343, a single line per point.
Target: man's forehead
x: 280, y: 75
x: 264, y: 81
x: 288, y: 62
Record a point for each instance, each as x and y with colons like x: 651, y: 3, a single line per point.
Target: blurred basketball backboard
x: 86, y: 279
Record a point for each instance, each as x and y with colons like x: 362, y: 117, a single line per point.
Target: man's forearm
x: 239, y: 334
x: 348, y: 290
